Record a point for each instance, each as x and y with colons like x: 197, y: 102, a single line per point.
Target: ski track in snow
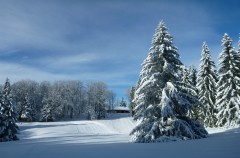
x: 110, y: 138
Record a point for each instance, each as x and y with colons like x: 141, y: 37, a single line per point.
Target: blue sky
x: 105, y: 40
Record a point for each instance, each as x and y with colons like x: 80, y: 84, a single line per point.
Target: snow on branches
x: 162, y: 100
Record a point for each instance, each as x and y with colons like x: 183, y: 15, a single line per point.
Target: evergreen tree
x: 10, y: 130
x: 188, y: 79
x: 123, y: 103
x: 186, y: 76
x: 206, y: 85
x: 238, y: 62
x: 3, y: 122
x: 162, y: 101
x: 48, y: 109
x: 193, y: 75
x: 132, y: 105
x: 228, y: 96
x: 27, y: 113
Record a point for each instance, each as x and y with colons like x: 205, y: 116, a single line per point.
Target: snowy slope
x: 79, y: 131
x: 109, y: 138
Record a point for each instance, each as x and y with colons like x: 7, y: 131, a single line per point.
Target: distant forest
x: 47, y: 101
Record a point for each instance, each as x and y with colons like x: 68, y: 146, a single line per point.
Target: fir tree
x: 228, y: 96
x: 188, y: 79
x: 193, y: 75
x: 132, y: 105
x: 123, y: 103
x: 162, y: 101
x: 238, y: 61
x: 206, y: 85
x: 3, y: 122
x: 10, y: 130
x: 48, y: 110
x: 27, y: 113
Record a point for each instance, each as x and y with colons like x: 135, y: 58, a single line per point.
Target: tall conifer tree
x: 3, y: 123
x: 193, y: 75
x: 228, y: 96
x: 27, y: 113
x: 206, y: 85
x: 162, y: 101
x: 11, y: 129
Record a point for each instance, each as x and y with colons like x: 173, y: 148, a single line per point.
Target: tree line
x: 47, y: 101
x: 29, y: 101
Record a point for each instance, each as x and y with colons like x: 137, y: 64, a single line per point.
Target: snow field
x: 110, y: 139
x: 78, y: 131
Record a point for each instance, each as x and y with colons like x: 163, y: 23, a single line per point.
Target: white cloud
x: 116, y: 37
x: 72, y: 60
x: 34, y: 25
x: 16, y: 72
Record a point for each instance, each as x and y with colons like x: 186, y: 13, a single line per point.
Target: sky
x: 105, y: 40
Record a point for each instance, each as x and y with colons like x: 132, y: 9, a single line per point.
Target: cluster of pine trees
x: 172, y: 102
x: 218, y: 90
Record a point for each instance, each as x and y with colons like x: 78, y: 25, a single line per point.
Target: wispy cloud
x: 18, y: 72
x: 96, y: 40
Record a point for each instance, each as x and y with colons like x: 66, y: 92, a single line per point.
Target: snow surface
x: 121, y: 108
x: 109, y: 138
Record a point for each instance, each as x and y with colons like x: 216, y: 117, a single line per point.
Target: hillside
x: 109, y: 138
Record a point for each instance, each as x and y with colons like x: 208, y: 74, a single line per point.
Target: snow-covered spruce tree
x: 2, y: 120
x: 48, y: 110
x: 188, y: 80
x: 186, y: 76
x: 123, y: 103
x: 11, y: 129
x: 193, y: 75
x: 206, y: 85
x: 162, y: 101
x: 131, y: 105
x: 228, y: 97
x: 27, y: 113
x: 238, y: 61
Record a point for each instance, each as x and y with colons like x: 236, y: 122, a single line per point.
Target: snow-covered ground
x: 109, y: 138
